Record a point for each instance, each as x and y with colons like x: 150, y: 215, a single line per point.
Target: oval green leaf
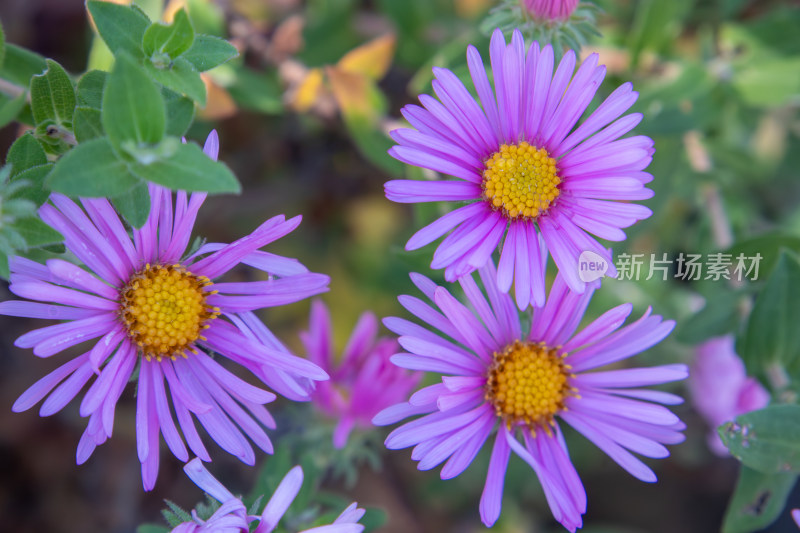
x: 767, y: 440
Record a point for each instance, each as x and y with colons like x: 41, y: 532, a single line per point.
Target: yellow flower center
x: 527, y: 383
x: 164, y: 310
x: 521, y: 180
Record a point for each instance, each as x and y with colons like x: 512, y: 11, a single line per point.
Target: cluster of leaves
x: 767, y: 441
x: 730, y: 108
x: 110, y: 133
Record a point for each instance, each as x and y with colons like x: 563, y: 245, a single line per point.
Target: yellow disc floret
x: 164, y: 310
x: 528, y: 383
x: 521, y: 180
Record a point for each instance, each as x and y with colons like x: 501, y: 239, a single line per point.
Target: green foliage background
x: 719, y: 84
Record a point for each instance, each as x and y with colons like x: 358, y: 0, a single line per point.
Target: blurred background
x: 302, y: 117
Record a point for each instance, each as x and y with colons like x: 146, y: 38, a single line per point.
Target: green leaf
x: 655, y: 25
x: 208, y: 51
x: 373, y: 144
x: 719, y: 316
x: 35, y: 191
x: 180, y: 77
x: 180, y: 112
x: 374, y: 518
x: 257, y: 91
x: 4, y: 271
x: 87, y: 123
x: 20, y: 65
x: 134, y: 205
x: 767, y: 440
x: 772, y: 336
x: 36, y: 233
x: 151, y: 528
x: 133, y: 109
x: 768, y: 82
x: 90, y: 89
x: 53, y: 96
x: 10, y: 107
x: 768, y: 246
x: 92, y: 169
x: 189, y: 169
x: 757, y: 501
x: 170, y: 40
x: 26, y: 152
x: 121, y: 27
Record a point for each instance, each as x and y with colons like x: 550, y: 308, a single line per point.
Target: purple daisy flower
x: 498, y: 376
x: 231, y: 517
x: 163, y: 315
x: 529, y: 177
x: 364, y: 382
x: 721, y: 389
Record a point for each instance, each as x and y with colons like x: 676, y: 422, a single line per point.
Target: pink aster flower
x: 145, y: 306
x: 517, y: 383
x: 551, y: 9
x: 721, y: 389
x: 526, y: 176
x: 363, y: 382
x: 231, y: 516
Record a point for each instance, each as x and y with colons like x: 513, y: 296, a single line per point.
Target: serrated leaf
x: 35, y: 191
x: 757, y: 501
x: 189, y: 169
x: 134, y: 205
x: 208, y: 52
x: 767, y: 440
x: 133, y: 109
x: 178, y: 511
x: 53, y: 96
x: 121, y: 27
x: 91, y: 169
x: 772, y: 336
x: 26, y: 152
x: 36, y: 233
x: 87, y: 123
x: 180, y: 77
x: 10, y: 107
x: 180, y: 112
x: 170, y: 40
x: 90, y: 89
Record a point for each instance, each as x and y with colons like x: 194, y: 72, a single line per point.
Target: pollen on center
x: 528, y: 383
x: 520, y: 179
x: 164, y: 310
